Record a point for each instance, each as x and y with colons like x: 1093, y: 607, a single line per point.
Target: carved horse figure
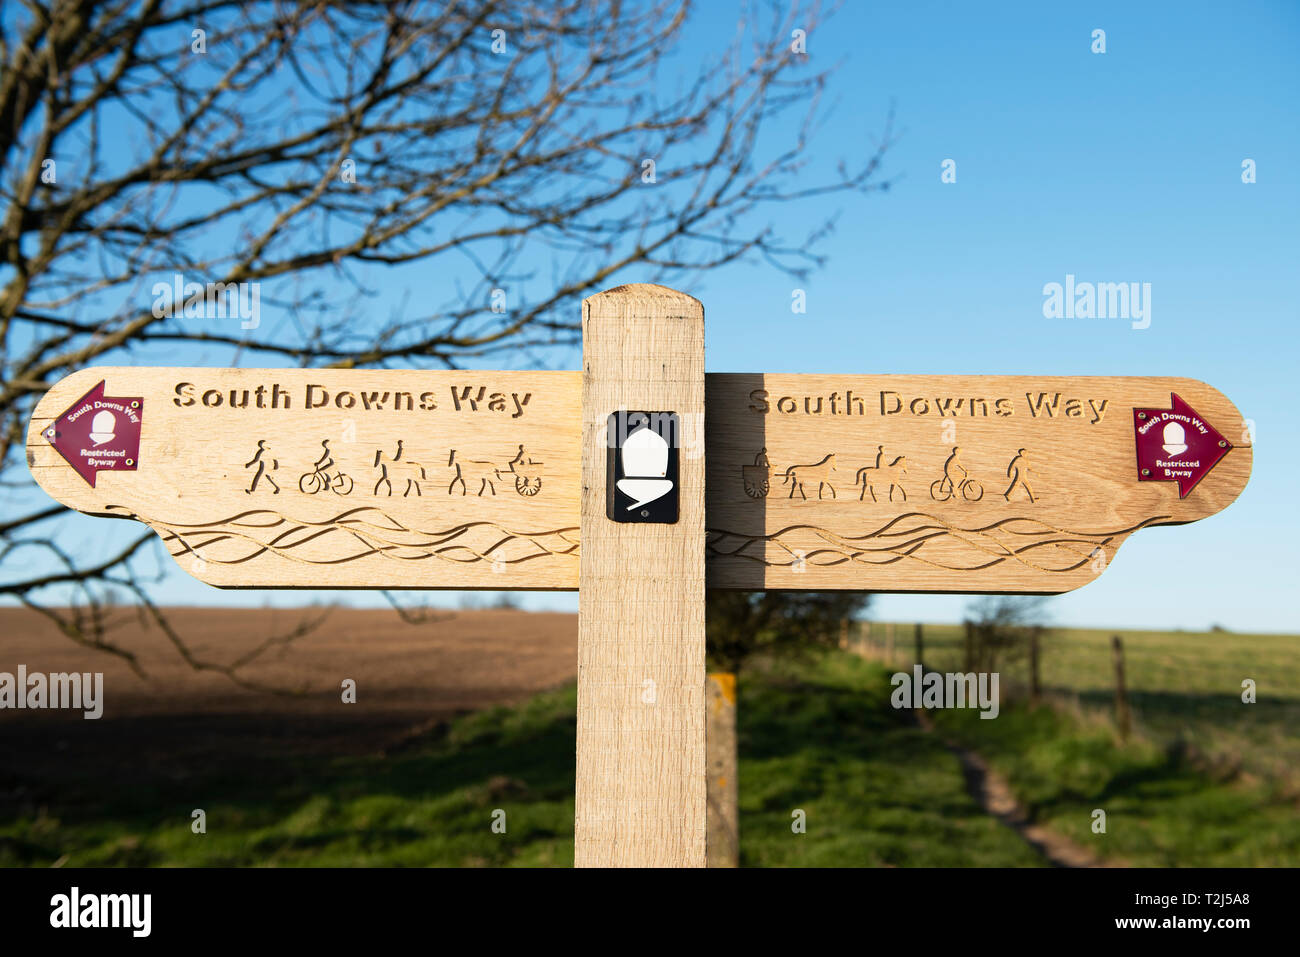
x: 397, y: 469
x: 820, y: 472
x: 472, y: 472
x: 881, y: 475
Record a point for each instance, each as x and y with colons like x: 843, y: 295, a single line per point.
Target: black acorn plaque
x: 641, y: 471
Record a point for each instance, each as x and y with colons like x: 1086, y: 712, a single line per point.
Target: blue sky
x: 1122, y: 166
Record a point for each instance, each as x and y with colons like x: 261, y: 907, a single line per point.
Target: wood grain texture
x: 723, y: 778
x: 1054, y: 487
x: 809, y: 528
x: 640, y: 791
x: 460, y: 506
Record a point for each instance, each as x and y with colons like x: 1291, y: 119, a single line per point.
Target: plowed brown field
x: 177, y: 720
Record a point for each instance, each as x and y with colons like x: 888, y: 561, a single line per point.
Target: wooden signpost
x: 638, y: 481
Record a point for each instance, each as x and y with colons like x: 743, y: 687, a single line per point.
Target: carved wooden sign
x: 340, y: 479
x: 406, y: 479
x: 609, y: 481
x: 955, y: 483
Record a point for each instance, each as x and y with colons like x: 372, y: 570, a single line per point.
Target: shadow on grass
x: 822, y: 749
x: 431, y: 802
x: 830, y: 775
x: 1168, y: 799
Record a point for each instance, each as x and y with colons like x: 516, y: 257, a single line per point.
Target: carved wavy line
x: 455, y: 553
x: 941, y: 523
x: 896, y: 556
x: 840, y: 559
x: 339, y: 520
x: 370, y: 538
x: 1080, y: 546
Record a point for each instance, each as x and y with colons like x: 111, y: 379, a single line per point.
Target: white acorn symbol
x: 102, y: 427
x: 1175, y: 439
x: 645, y: 463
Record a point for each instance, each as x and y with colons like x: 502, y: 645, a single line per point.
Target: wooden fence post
x: 1122, y: 715
x: 920, y: 646
x: 723, y: 846
x: 640, y: 789
x: 1035, y: 686
x: 889, y: 643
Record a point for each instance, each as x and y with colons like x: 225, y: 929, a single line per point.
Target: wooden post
x: 1122, y: 716
x: 723, y: 848
x: 920, y: 646
x: 1035, y: 687
x: 411, y: 478
x: 968, y: 662
x: 844, y: 633
x: 640, y: 789
x: 889, y: 643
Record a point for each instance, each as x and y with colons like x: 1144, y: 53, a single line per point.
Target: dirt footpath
x: 178, y: 720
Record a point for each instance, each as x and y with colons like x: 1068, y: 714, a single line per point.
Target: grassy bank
x: 1166, y: 806
x: 430, y: 803
x: 1205, y: 779
x: 877, y: 791
x: 819, y: 738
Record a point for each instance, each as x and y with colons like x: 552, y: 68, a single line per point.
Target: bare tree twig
x: 329, y: 152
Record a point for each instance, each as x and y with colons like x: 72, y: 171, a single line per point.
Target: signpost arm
x: 640, y: 789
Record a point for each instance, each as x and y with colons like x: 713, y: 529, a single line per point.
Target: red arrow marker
x: 1176, y: 445
x: 99, y: 433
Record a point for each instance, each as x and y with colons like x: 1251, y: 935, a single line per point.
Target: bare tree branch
x: 328, y: 152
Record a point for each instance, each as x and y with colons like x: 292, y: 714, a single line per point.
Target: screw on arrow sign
x: 99, y: 433
x: 1176, y: 445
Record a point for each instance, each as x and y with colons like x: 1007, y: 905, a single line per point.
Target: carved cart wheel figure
x: 757, y: 477
x: 528, y: 475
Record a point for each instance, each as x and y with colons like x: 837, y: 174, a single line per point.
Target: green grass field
x: 877, y: 790
x: 1205, y: 780
x: 428, y: 804
x: 1182, y: 686
x: 819, y: 738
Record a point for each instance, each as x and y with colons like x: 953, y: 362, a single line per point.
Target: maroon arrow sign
x: 1176, y: 445
x: 99, y: 433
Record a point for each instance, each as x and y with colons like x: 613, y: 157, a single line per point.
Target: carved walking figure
x: 1017, y: 470
x: 261, y: 468
x: 880, y: 476
x: 397, y: 469
x: 820, y: 472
